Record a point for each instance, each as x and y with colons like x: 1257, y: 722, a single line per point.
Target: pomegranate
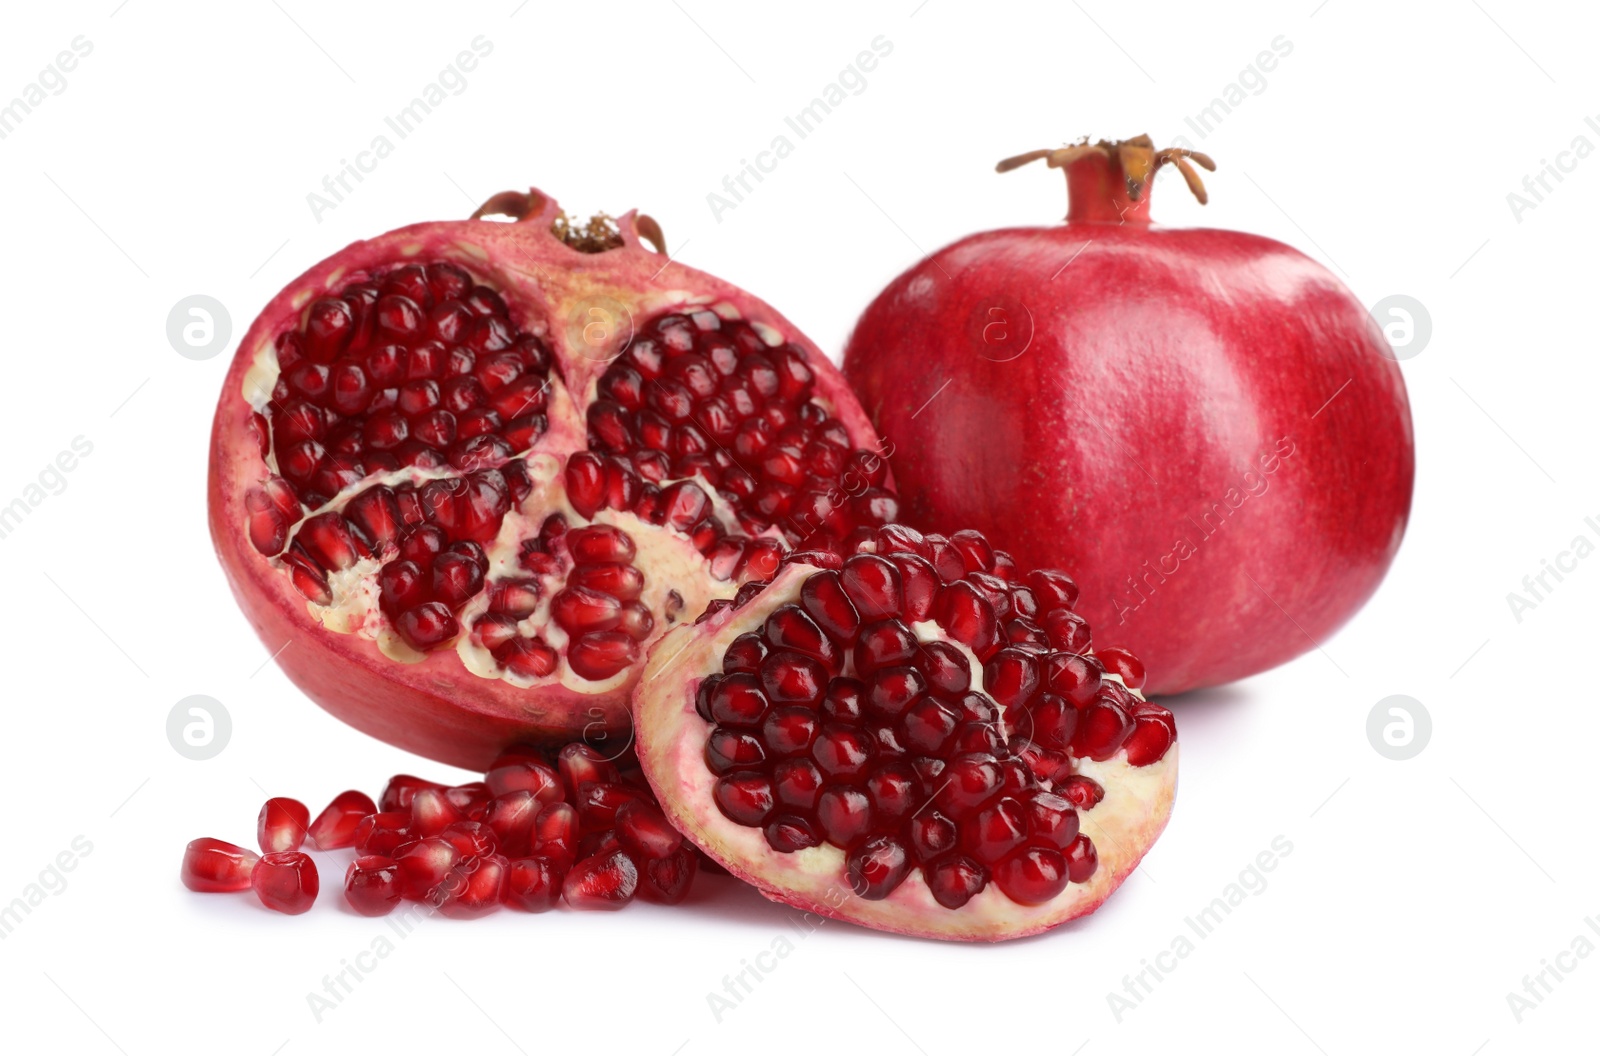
x: 911, y: 733
x: 1203, y: 424
x: 465, y: 473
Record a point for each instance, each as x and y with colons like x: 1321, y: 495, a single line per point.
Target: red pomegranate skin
x: 1202, y: 426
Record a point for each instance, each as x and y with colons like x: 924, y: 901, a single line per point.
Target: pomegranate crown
x: 600, y: 234
x: 1108, y: 180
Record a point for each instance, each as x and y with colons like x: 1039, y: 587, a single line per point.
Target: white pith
x: 671, y: 740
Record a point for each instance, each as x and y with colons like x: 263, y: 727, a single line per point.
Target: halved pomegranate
x: 909, y: 733
x: 465, y: 473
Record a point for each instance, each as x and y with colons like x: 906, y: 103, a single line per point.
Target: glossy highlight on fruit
x: 472, y: 470
x: 1205, y: 426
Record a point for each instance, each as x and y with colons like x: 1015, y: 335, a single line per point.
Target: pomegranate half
x: 465, y: 473
x: 909, y: 732
x: 1205, y: 426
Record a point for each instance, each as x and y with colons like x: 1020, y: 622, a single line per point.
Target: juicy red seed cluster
x: 597, y: 606
x: 834, y: 724
x: 532, y: 833
x: 699, y: 396
x: 414, y: 366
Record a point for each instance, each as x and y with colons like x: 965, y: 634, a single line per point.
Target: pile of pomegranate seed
x: 837, y: 723
x: 528, y: 835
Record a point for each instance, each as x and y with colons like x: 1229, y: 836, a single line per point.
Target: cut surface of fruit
x: 912, y: 734
x: 472, y: 470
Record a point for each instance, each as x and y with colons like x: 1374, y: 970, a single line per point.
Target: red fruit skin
x: 435, y: 707
x: 1095, y: 421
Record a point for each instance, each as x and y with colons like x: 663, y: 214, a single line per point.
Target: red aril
x: 282, y: 824
x: 1179, y: 417
x: 336, y: 826
x: 472, y: 470
x: 372, y: 885
x: 285, y: 881
x: 214, y: 865
x: 935, y: 771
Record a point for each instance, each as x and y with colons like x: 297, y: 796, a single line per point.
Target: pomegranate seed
x: 213, y: 865
x: 931, y: 834
x: 524, y: 775
x: 555, y: 832
x: 877, y: 867
x: 844, y: 815
x: 667, y: 880
x: 644, y: 833
x: 533, y: 884
x: 953, y: 880
x: 994, y: 831
x: 1124, y: 665
x: 1102, y: 729
x: 432, y: 812
x: 1081, y: 859
x: 744, y: 798
x: 511, y: 818
x: 474, y: 887
x: 601, y: 882
x: 285, y: 881
x: 382, y: 833
x: 788, y: 833
x: 600, y: 655
x: 788, y: 627
x: 1082, y: 792
x: 789, y: 677
x: 1077, y: 678
x: 336, y: 826
x: 281, y: 826
x: 1153, y: 733
x: 372, y: 885
x: 580, y: 764
x: 471, y: 838
x: 424, y: 865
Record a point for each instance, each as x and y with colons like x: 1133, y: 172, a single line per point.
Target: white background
x: 177, y: 161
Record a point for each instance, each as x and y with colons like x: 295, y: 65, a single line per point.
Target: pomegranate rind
x: 435, y: 706
x: 670, y: 741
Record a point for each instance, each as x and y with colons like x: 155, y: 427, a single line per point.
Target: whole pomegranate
x: 1202, y: 425
x: 465, y: 473
x: 912, y: 733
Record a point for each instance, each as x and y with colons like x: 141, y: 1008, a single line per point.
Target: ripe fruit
x: 282, y: 825
x: 336, y: 826
x: 946, y: 720
x: 1181, y: 417
x: 285, y: 881
x: 473, y: 470
x: 539, y: 828
x: 213, y: 865
x: 372, y: 885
